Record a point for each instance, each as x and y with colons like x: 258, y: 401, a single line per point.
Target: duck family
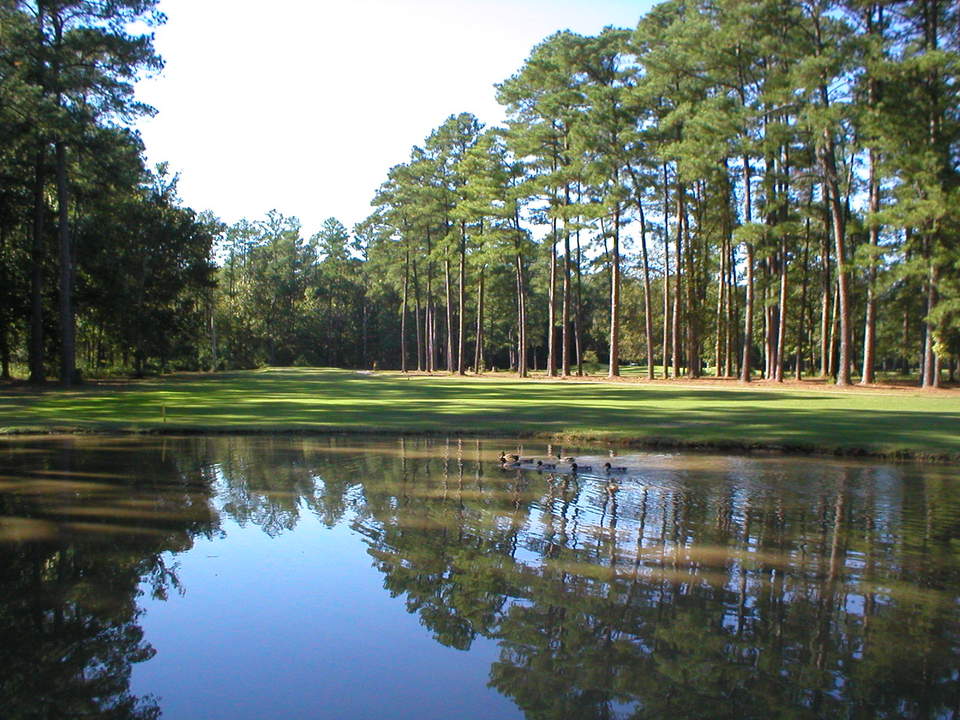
x: 560, y: 463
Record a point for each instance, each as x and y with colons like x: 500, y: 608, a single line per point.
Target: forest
x: 740, y: 188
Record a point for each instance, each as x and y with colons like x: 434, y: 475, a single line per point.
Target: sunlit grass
x: 281, y: 400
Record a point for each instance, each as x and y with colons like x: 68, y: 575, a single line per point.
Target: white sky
x: 303, y: 105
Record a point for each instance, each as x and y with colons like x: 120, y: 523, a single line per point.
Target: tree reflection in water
x: 705, y: 587
x: 81, y: 532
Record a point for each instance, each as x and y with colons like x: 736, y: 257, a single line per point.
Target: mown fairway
x: 894, y: 421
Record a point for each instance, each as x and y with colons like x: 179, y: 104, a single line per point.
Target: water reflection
x: 705, y: 586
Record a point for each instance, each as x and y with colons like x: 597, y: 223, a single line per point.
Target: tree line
x: 762, y: 188
x: 737, y: 186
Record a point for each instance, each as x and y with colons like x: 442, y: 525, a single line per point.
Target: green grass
x: 894, y: 422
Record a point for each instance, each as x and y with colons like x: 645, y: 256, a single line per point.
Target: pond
x: 355, y: 577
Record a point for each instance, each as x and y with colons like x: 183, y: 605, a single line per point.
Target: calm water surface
x: 255, y: 577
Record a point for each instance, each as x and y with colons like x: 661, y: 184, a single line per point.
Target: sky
x: 303, y: 105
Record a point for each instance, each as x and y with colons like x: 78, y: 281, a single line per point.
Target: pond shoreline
x: 648, y: 443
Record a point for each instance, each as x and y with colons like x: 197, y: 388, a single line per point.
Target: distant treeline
x: 735, y: 187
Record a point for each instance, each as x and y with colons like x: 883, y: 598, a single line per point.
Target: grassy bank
x: 894, y: 422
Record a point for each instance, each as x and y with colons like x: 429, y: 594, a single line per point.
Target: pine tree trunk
x: 565, y: 307
x: 931, y: 365
x: 731, y: 367
x: 692, y: 309
x: 462, y: 300
x: 522, y: 329
x: 870, y: 323
x: 721, y: 296
x: 905, y: 344
x: 832, y: 347
x: 4, y: 307
x: 767, y: 322
x: 667, y: 324
x: 213, y: 336
x: 521, y: 299
x: 826, y: 284
x: 67, y: 322
x: 552, y: 304
x: 614, y: 370
x: 745, y: 369
x: 828, y: 165
x: 675, y: 337
x: 416, y: 300
x: 478, y: 343
x: 403, y: 311
x: 578, y: 327
x: 37, y: 360
x: 782, y: 329
x: 449, y: 302
x: 802, y: 330
x: 647, y: 309
x: 431, y: 321
x: 745, y: 366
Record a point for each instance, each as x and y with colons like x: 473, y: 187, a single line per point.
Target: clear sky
x: 303, y: 105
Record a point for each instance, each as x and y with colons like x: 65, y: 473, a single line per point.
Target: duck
x: 576, y: 467
x: 504, y: 458
x: 614, y: 468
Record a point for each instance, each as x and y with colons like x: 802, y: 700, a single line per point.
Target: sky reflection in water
x: 320, y: 577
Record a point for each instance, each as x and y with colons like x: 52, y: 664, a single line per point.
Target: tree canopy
x: 735, y: 188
